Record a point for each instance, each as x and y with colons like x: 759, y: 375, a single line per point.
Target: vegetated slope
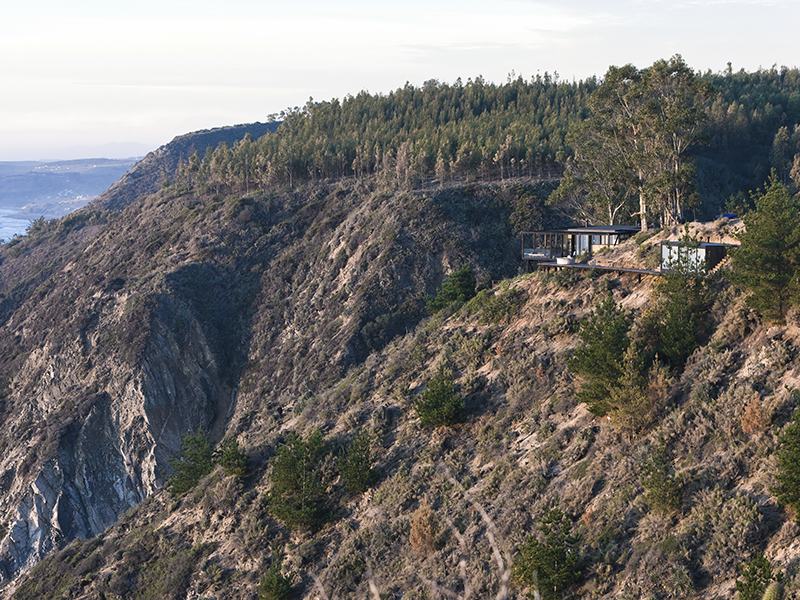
x: 256, y: 313
x: 153, y: 323
x: 150, y: 173
x: 525, y: 445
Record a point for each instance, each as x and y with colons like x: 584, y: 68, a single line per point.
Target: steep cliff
x: 124, y: 330
x: 452, y: 505
x: 252, y: 316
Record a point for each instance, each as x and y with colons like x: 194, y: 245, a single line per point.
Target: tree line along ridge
x: 639, y: 145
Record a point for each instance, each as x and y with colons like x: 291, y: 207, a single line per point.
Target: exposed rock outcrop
x: 108, y: 460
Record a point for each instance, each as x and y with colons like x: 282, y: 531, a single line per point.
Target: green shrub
x: 756, y: 577
x: 459, y: 287
x: 561, y: 325
x: 195, y: 461
x: 495, y: 306
x: 641, y: 237
x: 232, y: 460
x: 169, y: 573
x: 563, y: 279
x: 439, y: 404
x: 650, y: 255
x: 788, y: 490
x: 551, y: 566
x: 355, y: 464
x: 275, y: 585
x: 600, y: 361
x: 663, y: 491
x: 298, y: 483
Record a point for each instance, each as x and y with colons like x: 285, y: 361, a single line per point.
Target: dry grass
x: 755, y: 419
x: 424, y: 528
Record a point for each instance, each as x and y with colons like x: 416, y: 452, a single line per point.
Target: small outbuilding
x: 704, y: 255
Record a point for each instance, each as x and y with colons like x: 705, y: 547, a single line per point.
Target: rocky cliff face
x: 126, y: 330
x: 95, y: 435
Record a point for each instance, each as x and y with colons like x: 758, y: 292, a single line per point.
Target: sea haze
x: 30, y: 189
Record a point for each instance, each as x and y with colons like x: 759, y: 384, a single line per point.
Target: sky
x: 93, y: 78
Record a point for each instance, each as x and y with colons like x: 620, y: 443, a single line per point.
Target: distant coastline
x: 10, y: 224
x: 30, y: 189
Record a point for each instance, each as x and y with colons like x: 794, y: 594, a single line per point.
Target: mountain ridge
x: 148, y: 174
x: 292, y: 313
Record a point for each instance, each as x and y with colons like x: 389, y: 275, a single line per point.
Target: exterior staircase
x: 723, y: 264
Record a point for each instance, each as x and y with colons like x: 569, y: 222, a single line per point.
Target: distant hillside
x: 8, y: 168
x: 40, y: 183
x: 149, y: 173
x: 31, y: 190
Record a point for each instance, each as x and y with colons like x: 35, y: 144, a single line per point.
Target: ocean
x: 9, y: 226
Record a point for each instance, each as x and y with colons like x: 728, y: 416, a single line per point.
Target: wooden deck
x: 608, y: 268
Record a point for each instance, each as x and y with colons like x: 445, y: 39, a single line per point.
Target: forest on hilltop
x: 739, y: 126
x: 308, y: 363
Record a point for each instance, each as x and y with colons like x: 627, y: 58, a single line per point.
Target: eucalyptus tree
x: 633, y: 148
x: 608, y: 172
x: 598, y: 182
x: 675, y: 104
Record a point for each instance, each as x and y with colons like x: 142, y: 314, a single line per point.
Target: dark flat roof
x: 605, y: 229
x: 596, y: 229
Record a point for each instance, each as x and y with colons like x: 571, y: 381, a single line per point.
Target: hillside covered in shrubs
x: 283, y: 371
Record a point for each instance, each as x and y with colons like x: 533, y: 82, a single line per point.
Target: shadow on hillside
x: 221, y: 301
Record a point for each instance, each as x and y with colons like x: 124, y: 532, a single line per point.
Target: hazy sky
x: 80, y: 76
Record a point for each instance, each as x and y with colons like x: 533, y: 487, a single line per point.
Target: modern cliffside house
x: 568, y: 244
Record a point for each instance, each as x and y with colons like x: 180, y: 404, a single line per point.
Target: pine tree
x: 549, y: 567
x: 600, y: 361
x: 757, y: 576
x: 298, y: 482
x: 788, y: 490
x: 439, y: 404
x: 195, y: 461
x: 459, y: 287
x: 355, y: 464
x: 662, y: 489
x: 231, y: 458
x: 768, y: 261
x: 275, y: 585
